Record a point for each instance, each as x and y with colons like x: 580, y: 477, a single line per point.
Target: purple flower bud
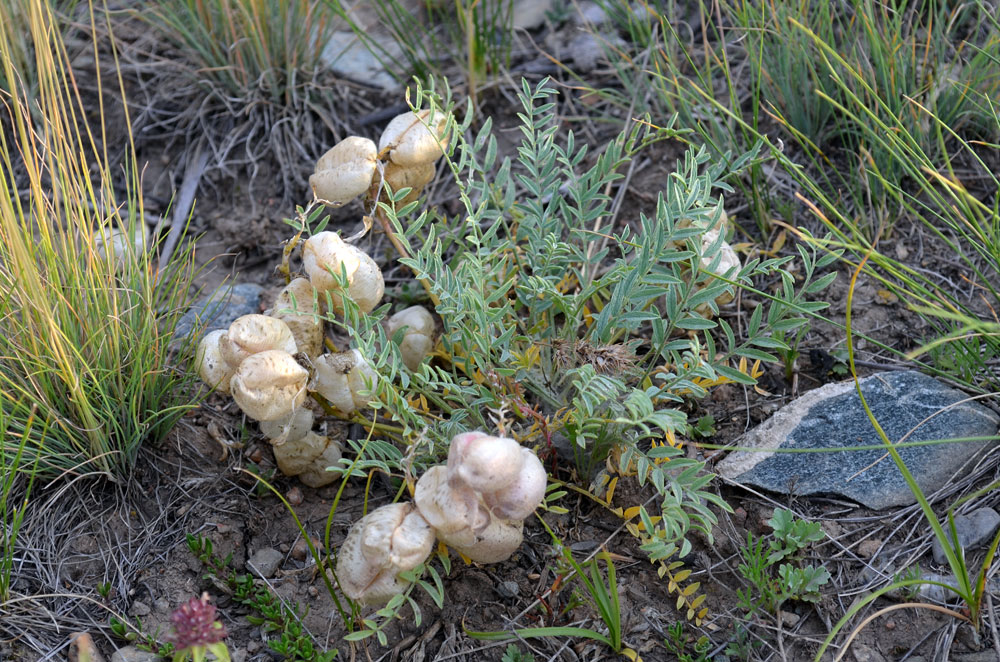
x: 195, y: 624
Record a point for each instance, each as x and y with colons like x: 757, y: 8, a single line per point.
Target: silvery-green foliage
x: 551, y: 310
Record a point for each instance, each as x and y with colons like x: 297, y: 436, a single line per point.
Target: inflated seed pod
x: 452, y: 510
x: 723, y: 261
x: 385, y: 542
x: 212, y: 368
x: 484, y: 463
x: 316, y: 475
x: 119, y: 245
x: 495, y: 542
x: 293, y: 427
x: 251, y: 334
x: 294, y: 307
x: 418, y: 334
x: 399, y: 177
x: 340, y: 378
x: 345, y: 171
x: 269, y: 385
x: 307, y: 458
x: 720, y: 223
x: 326, y: 252
x: 519, y: 499
x: 415, y: 138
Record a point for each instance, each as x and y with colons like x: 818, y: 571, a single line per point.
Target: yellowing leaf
x: 886, y: 297
x: 631, y: 512
x: 611, y: 489
x: 779, y: 243
x: 690, y: 589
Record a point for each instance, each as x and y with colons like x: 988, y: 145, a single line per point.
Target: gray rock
x: 140, y: 609
x: 831, y: 418
x: 265, y: 562
x: 220, y: 309
x: 508, y: 589
x: 973, y: 530
x: 863, y: 653
x: 133, y: 654
x: 346, y: 55
x: 530, y: 14
x: 590, y: 13
x: 989, y: 655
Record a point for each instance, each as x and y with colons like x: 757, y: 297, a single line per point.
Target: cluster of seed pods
x: 475, y: 504
x: 271, y: 363
x: 404, y: 158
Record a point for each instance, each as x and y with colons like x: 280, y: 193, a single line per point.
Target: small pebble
x: 312, y: 591
x: 863, y: 653
x: 973, y: 530
x: 890, y: 625
x: 869, y: 547
x: 256, y: 455
x: 133, y: 654
x: 140, y: 609
x: 832, y: 529
x: 508, y: 589
x: 788, y: 619
x: 265, y: 562
x: 284, y: 547
x: 300, y: 550
x: 294, y: 496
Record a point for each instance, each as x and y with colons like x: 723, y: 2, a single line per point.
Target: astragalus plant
x: 86, y: 319
x: 562, y: 323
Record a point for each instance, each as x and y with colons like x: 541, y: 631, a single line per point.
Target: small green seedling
x: 770, y: 586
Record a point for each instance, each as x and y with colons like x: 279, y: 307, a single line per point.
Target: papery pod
x: 495, y: 542
x: 398, y: 177
x: 418, y: 336
x: 251, y: 334
x: 308, y: 458
x: 325, y: 252
x: 212, y: 368
x: 721, y: 224
x: 118, y: 245
x: 293, y: 427
x: 316, y: 475
x: 519, y: 499
x: 484, y: 463
x: 345, y: 171
x: 727, y: 265
x: 453, y: 511
x: 341, y: 377
x: 269, y: 385
x: 411, y: 138
x: 306, y: 328
x: 389, y: 540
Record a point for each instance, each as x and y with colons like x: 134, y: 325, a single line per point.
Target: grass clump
x: 248, y: 86
x: 476, y: 36
x: 86, y: 322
